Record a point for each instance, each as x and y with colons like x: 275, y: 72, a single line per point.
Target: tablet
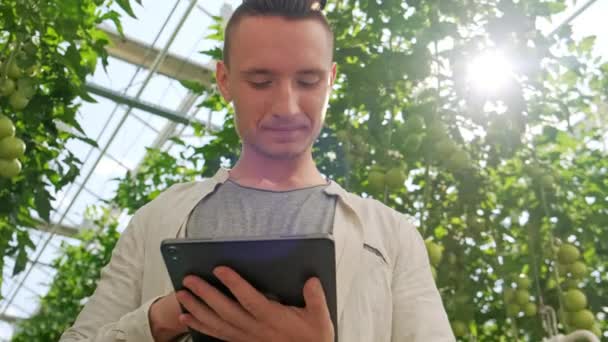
x: 276, y: 266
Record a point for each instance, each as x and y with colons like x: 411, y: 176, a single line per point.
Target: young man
x: 278, y: 73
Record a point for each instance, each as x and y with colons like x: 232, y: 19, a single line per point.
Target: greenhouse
x: 485, y: 123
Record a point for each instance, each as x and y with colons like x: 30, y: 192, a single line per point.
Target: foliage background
x: 61, y: 41
x: 531, y: 166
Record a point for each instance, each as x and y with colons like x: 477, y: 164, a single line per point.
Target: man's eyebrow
x: 313, y: 71
x: 256, y: 71
x: 268, y: 72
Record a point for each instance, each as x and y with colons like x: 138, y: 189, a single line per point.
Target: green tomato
x: 7, y: 128
x: 513, y: 310
x: 395, y: 178
x: 27, y: 86
x: 523, y: 282
x: 551, y: 284
x: 530, y: 309
x: 376, y: 181
x: 546, y: 181
x: 563, y: 269
x: 18, y: 101
x: 11, y: 148
x: 14, y: 71
x: 583, y: 319
x: 578, y: 269
x: 575, y: 300
x: 7, y: 87
x: 567, y: 254
x: 570, y: 284
x: 435, y: 252
x: 9, y: 168
x: 32, y: 70
x: 522, y: 297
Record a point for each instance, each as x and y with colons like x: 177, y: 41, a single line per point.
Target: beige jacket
x: 384, y: 284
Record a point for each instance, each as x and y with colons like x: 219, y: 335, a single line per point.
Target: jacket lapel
x: 187, y: 205
x: 348, y: 239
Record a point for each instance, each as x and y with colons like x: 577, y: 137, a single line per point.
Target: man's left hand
x: 254, y: 317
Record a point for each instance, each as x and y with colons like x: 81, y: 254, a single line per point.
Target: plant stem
x: 555, y: 270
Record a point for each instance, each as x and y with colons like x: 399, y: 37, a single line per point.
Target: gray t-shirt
x: 238, y: 211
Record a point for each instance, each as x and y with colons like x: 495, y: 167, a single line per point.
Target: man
x: 278, y: 73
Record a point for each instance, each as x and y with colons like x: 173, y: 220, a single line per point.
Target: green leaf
x: 84, y: 94
x: 68, y: 117
x: 72, y: 57
x: 556, y: 7
x: 587, y: 44
x: 216, y: 53
x: 20, y: 261
x: 115, y: 18
x: 194, y: 86
x: 69, y: 177
x: 566, y: 140
x: 43, y: 204
x: 177, y: 141
x: 87, y: 140
x: 126, y: 6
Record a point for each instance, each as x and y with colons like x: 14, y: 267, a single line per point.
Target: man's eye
x: 308, y: 82
x: 260, y: 84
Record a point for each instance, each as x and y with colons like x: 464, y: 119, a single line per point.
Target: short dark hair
x: 289, y: 9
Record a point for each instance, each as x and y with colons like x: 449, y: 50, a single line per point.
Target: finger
x: 201, y: 318
x: 194, y: 324
x: 251, y: 299
x: 314, y: 298
x: 226, y: 308
x: 209, y: 330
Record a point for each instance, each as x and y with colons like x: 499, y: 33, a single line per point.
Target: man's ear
x: 334, y: 71
x: 221, y: 76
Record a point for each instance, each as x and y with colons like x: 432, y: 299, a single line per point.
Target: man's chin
x: 280, y: 154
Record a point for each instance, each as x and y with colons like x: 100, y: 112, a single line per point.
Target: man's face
x: 279, y: 79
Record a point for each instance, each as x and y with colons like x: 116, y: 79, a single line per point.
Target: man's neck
x: 260, y: 172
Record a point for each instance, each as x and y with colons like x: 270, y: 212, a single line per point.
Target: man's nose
x: 286, y: 100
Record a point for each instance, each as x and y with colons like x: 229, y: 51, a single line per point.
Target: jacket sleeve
x: 114, y: 312
x: 418, y: 312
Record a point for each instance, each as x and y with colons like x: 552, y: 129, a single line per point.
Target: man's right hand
x: 164, y: 319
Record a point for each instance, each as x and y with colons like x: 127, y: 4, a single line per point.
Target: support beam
x: 138, y: 53
x: 9, y: 319
x: 145, y: 106
x: 572, y: 17
x: 63, y: 230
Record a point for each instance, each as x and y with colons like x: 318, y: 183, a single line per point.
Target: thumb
x: 314, y: 297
